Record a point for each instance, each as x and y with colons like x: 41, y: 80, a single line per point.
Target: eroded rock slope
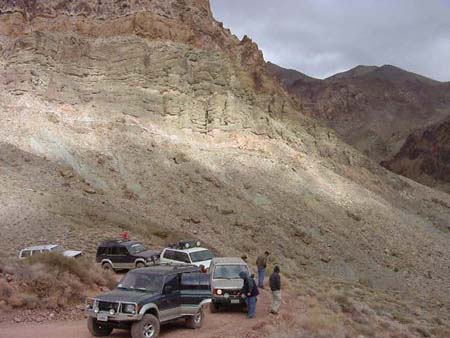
x: 150, y: 116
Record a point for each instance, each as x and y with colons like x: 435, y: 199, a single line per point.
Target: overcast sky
x: 324, y: 37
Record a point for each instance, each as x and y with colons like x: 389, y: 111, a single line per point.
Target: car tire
x: 96, y: 329
x: 213, y: 307
x: 195, y: 321
x: 140, y: 265
x: 107, y: 267
x: 147, y: 327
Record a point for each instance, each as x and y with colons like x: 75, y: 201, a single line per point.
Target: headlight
x: 219, y: 291
x: 129, y: 308
x: 112, y: 312
x: 96, y: 310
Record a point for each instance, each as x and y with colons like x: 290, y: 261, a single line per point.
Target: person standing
x: 250, y: 292
x: 261, y: 263
x: 275, y: 287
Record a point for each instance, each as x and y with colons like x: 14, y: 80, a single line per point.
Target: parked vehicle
x: 226, y: 283
x: 146, y: 298
x: 125, y: 255
x: 35, y: 250
x: 187, y: 252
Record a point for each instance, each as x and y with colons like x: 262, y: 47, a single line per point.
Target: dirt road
x: 222, y: 325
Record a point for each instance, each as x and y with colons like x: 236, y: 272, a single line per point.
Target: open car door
x: 195, y: 292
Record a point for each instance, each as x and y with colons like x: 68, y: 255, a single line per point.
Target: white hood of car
x: 206, y: 264
x: 72, y: 253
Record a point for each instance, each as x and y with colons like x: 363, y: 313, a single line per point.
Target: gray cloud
x: 323, y: 37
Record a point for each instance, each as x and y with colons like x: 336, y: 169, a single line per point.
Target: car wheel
x: 147, y: 327
x: 213, y: 307
x: 107, y: 267
x: 140, y: 265
x: 195, y: 321
x: 96, y: 329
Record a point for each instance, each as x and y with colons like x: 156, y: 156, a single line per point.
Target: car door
x: 182, y: 258
x: 169, y: 307
x: 195, y: 289
x: 168, y: 256
x: 119, y: 257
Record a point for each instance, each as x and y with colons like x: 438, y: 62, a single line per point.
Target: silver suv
x: 226, y: 283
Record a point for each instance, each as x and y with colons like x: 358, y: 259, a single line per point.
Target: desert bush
x: 6, y: 290
x: 52, y: 281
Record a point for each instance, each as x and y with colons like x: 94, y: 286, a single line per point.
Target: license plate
x: 102, y: 318
x: 235, y: 301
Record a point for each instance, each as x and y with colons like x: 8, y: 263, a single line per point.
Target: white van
x: 226, y: 284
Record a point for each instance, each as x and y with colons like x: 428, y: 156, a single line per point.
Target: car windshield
x: 136, y: 248
x: 229, y: 271
x: 199, y: 256
x: 57, y: 248
x: 141, y: 281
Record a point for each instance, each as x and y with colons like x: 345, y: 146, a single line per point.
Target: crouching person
x: 275, y: 287
x: 250, y: 293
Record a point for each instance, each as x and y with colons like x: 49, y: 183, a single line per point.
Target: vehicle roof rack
x: 113, y: 241
x: 186, y: 244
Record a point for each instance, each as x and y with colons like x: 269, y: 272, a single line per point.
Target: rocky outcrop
x: 185, y: 21
x: 425, y: 156
x: 374, y: 108
x: 151, y: 117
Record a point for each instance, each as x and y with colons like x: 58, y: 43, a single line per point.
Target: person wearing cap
x: 275, y: 287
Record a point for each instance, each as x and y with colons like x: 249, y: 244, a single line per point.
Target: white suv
x: 187, y: 252
x: 35, y: 250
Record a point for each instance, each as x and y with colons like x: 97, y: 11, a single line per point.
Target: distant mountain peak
x: 384, y: 72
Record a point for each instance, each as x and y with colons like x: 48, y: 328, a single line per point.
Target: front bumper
x: 117, y: 317
x: 231, y: 300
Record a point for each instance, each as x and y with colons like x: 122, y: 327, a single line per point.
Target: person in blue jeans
x: 261, y: 263
x: 250, y: 292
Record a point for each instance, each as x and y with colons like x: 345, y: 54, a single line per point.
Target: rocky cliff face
x: 149, y: 116
x: 425, y: 156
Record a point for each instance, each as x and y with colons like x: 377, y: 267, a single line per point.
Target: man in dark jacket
x: 261, y: 263
x: 275, y: 287
x: 250, y: 292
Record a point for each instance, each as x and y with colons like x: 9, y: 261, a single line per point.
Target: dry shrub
x: 322, y: 321
x: 53, y: 281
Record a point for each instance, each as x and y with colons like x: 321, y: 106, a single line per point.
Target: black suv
x: 120, y: 255
x: 146, y: 298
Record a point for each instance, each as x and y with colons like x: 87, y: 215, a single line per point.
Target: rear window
x: 26, y: 253
x: 101, y: 251
x: 229, y: 271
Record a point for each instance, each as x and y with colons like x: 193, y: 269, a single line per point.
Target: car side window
x: 169, y: 254
x: 182, y: 257
x: 171, y: 284
x: 119, y: 251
